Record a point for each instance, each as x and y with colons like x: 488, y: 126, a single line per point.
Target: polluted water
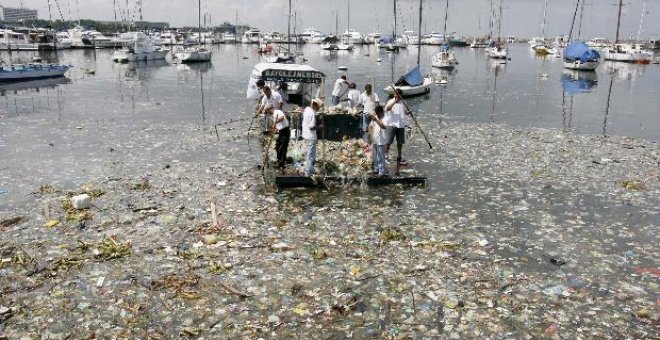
x: 133, y: 213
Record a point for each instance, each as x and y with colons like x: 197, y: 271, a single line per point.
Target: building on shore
x: 9, y: 14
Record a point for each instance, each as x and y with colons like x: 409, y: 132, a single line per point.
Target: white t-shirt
x: 309, y: 121
x: 369, y: 102
x: 378, y: 134
x: 340, y: 87
x: 353, y: 98
x: 275, y: 99
x: 277, y: 114
x: 397, y: 115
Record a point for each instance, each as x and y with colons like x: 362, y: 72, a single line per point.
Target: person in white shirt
x: 379, y: 140
x: 397, y: 124
x: 281, y: 127
x: 369, y: 101
x: 339, y: 90
x: 353, y: 96
x: 269, y: 98
x: 309, y: 128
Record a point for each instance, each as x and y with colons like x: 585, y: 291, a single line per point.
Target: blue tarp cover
x: 388, y: 39
x: 578, y: 50
x: 575, y: 86
x: 414, y: 77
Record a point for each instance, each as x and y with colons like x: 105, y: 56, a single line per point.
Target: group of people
x: 383, y: 125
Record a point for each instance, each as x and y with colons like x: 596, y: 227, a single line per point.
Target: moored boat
x: 578, y: 56
x: 141, y: 48
x: 20, y: 72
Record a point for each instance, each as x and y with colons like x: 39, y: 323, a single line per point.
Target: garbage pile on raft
x: 523, y: 233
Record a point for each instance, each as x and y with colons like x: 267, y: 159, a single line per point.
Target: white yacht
x: 598, y: 43
x: 372, y: 37
x: 10, y: 40
x: 142, y: 48
x: 444, y: 59
x: 21, y: 72
x: 433, y: 38
x: 99, y: 40
x: 353, y: 37
x: 251, y: 36
x: 79, y: 38
x: 193, y: 54
x: 228, y: 38
x: 166, y: 38
x: 497, y: 52
x: 409, y: 37
x: 64, y: 41
x: 317, y: 38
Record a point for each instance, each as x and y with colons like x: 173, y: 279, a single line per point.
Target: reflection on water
x: 525, y: 91
x: 574, y: 82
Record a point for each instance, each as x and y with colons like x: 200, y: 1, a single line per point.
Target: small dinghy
x: 412, y: 84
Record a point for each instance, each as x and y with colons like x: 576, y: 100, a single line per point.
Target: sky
x: 522, y: 18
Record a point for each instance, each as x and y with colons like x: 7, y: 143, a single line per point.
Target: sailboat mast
x: 618, y: 22
x: 419, y: 33
x: 499, y: 22
x: 545, y: 13
x: 50, y: 16
x: 444, y: 34
x: 491, y: 23
x: 641, y: 22
x: 288, y: 29
x: 394, y: 31
x: 348, y: 18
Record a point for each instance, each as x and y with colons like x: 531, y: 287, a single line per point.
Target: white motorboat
x: 79, y: 38
x: 411, y: 91
x: 20, y: 72
x: 166, y: 38
x: 409, y: 38
x: 352, y: 37
x: 478, y: 43
x: 142, y: 48
x: 345, y: 47
x: 275, y: 37
x: 99, y: 40
x: 64, y: 41
x: 497, y: 52
x: 433, y: 38
x: 317, y: 38
x: 444, y: 59
x: 251, y: 36
x: 228, y: 38
x: 193, y: 54
x: 282, y: 58
x: 372, y: 37
x: 10, y: 40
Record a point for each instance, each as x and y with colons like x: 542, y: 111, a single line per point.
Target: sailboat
x: 631, y: 53
x: 577, y: 54
x: 540, y: 45
x: 284, y: 57
x: 196, y: 53
x: 445, y: 58
x: 413, y: 83
x: 496, y: 50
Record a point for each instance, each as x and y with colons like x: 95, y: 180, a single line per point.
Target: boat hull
x: 193, y: 56
x: 31, y: 72
x: 411, y: 91
x: 124, y: 56
x: 581, y: 65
